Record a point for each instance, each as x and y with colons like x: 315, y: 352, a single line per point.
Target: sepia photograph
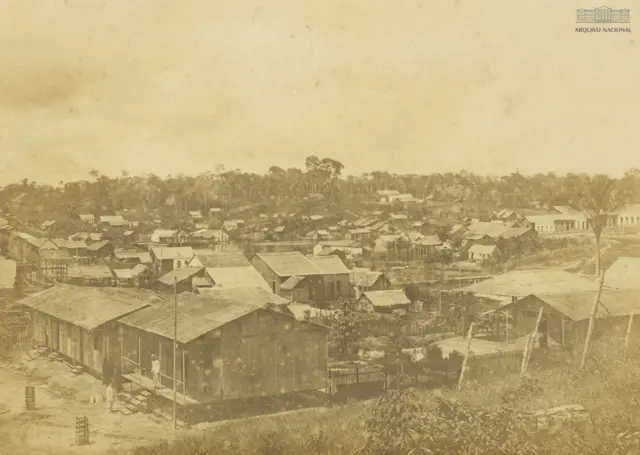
x: 319, y: 227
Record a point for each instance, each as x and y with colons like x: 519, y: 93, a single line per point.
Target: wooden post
x: 562, y: 328
x: 525, y: 355
x: 592, y: 319
x: 506, y: 325
x: 139, y: 358
x: 466, y: 356
x: 533, y: 340
x: 184, y: 384
x: 627, y: 336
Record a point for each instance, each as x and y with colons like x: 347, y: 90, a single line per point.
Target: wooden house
x: 232, y: 344
x: 79, y: 322
x: 480, y: 253
x: 100, y: 250
x: 565, y: 317
x: 365, y: 280
x: 166, y: 259
x: 303, y: 279
x: 180, y: 278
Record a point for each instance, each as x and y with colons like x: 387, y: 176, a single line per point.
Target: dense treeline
x: 234, y: 188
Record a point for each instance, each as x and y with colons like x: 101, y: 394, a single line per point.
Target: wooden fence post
x: 592, y: 319
x: 628, y: 336
x: 466, y: 356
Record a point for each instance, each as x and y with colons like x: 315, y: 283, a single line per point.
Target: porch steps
x: 136, y: 403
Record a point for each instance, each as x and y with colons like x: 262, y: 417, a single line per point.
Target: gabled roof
x: 577, y: 307
x: 70, y: 244
x: 291, y: 283
x: 538, y: 282
x: 364, y: 277
x: 88, y: 307
x: 328, y: 265
x: 623, y: 274
x: 237, y: 277
x: 201, y: 313
x: 428, y: 240
x: 96, y: 246
x: 289, y: 264
x: 174, y: 252
x: 389, y: 298
x: 181, y: 274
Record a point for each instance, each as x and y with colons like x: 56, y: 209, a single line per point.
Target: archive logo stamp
x: 603, y: 15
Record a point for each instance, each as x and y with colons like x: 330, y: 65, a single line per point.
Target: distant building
x: 384, y: 301
x: 480, y: 253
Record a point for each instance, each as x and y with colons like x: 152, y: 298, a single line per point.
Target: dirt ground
x: 60, y: 398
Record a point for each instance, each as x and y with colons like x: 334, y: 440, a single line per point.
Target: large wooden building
x: 232, y: 343
x: 79, y: 322
x: 565, y: 317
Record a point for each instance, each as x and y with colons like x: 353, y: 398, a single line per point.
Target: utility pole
x: 175, y: 350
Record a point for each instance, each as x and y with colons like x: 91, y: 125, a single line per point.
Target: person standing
x: 111, y: 396
x: 155, y: 369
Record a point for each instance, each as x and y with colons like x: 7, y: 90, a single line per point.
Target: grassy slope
x: 609, y: 394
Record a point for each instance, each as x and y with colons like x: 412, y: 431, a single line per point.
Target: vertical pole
x: 175, y: 348
x: 525, y: 354
x: 592, y: 318
x: 184, y: 384
x: 140, y: 358
x: 534, y: 337
x: 628, y: 336
x: 466, y: 355
x: 562, y: 328
x: 506, y: 325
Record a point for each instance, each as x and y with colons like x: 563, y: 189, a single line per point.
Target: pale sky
x: 405, y: 86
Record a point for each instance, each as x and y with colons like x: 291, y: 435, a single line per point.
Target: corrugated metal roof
x: 224, y: 260
x: 173, y: 252
x: 289, y: 264
x: 88, y: 307
x: 180, y: 275
x: 539, y: 282
x: 391, y: 297
x: 329, y: 265
x: 623, y: 274
x: 237, y: 277
x: 199, y: 314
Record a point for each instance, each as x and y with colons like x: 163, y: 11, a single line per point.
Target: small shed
x: 181, y: 278
x: 101, y: 249
x: 384, y: 301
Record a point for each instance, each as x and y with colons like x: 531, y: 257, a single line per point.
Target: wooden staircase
x: 137, y: 402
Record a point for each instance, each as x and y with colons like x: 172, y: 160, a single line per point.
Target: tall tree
x: 598, y: 198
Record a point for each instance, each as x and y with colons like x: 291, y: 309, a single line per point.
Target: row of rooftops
x: 569, y: 293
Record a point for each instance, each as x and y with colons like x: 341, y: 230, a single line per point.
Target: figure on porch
x: 155, y: 369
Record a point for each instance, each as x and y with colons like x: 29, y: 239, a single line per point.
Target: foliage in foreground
x: 481, y: 419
